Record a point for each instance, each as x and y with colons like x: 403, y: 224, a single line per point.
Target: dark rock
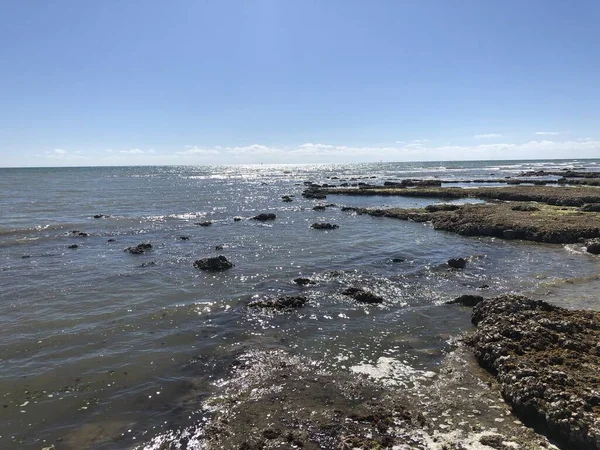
x: 214, y: 264
x: 184, y: 238
x: 484, y: 286
x: 525, y: 208
x: 362, y: 295
x: 509, y: 234
x: 591, y: 207
x: 547, y: 361
x: 100, y: 216
x: 111, y: 240
x: 442, y: 207
x: 324, y: 226
x: 466, y: 300
x: 206, y: 223
x: 303, y: 281
x: 25, y: 256
x: 271, y: 433
x: 457, y: 263
x: 286, y: 198
x: 148, y: 264
x: 237, y: 219
x: 319, y: 208
x: 79, y: 233
x: 285, y: 302
x: 313, y: 194
x: 73, y: 246
x: 398, y: 260
x: 263, y: 217
x: 593, y: 248
x: 139, y: 249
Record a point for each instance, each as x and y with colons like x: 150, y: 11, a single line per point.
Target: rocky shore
x: 506, y: 220
x: 565, y: 196
x: 547, y: 361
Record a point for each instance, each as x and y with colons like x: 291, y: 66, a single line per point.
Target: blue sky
x: 285, y: 81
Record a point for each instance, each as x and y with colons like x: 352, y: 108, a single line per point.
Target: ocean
x: 104, y: 349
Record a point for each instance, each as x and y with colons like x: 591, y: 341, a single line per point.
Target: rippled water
x: 101, y: 350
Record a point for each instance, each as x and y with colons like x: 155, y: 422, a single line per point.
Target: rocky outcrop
x: 457, y: 263
x: 302, y: 281
x: 263, y: 217
x: 362, y: 295
x: 466, y: 300
x: 139, y: 249
x: 286, y: 198
x: 324, y: 226
x: 213, y: 264
x: 206, y: 223
x: 547, y: 361
x: 442, y: 207
x: 593, y: 247
x: 285, y: 302
x: 313, y: 194
x: 73, y: 246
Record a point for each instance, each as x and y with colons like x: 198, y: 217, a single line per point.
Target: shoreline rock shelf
x: 547, y: 361
x: 544, y: 223
x: 563, y: 196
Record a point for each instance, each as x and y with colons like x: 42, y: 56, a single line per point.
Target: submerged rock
x: 324, y: 226
x: 218, y: 247
x: 111, y: 240
x: 286, y: 198
x: 79, y: 233
x: 73, y: 246
x: 319, y: 208
x: 362, y: 295
x: 184, y: 238
x: 457, y: 263
x: 303, y: 281
x: 466, y: 300
x: 206, y: 223
x: 263, y: 217
x: 237, y: 218
x: 285, y: 302
x: 139, y: 249
x: 148, y: 264
x: 398, y: 260
x: 547, y: 361
x: 101, y: 216
x: 214, y: 264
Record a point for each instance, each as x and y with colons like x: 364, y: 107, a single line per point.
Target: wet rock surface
x: 263, y: 217
x: 457, y: 263
x: 139, y: 249
x: 362, y: 295
x: 280, y: 303
x: 303, y: 281
x: 206, y: 223
x: 565, y: 196
x: 466, y: 300
x: 593, y: 247
x: 324, y: 226
x: 551, y: 224
x: 213, y: 264
x: 547, y: 361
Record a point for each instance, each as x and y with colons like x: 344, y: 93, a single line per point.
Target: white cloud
x: 195, y: 151
x: 548, y: 133
x: 488, y: 136
x: 60, y: 151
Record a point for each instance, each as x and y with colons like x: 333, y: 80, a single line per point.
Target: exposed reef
x: 542, y: 223
x: 547, y: 361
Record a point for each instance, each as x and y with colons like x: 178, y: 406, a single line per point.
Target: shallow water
x: 99, y: 352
